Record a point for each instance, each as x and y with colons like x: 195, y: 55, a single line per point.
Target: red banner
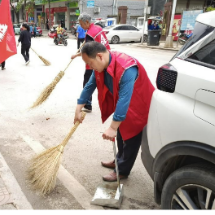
x: 7, y: 36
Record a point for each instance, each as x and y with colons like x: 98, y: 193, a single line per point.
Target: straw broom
x: 48, y: 90
x: 46, y: 62
x: 43, y: 168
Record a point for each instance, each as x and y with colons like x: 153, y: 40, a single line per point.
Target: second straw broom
x: 43, y: 168
x: 48, y: 90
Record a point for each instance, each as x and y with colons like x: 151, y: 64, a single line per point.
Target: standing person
x: 80, y: 34
x: 25, y: 39
x: 47, y: 24
x: 3, y: 65
x: 94, y: 33
x: 35, y: 31
x: 125, y: 91
x: 31, y: 29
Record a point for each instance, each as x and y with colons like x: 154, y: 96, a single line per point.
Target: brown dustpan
x: 109, y: 194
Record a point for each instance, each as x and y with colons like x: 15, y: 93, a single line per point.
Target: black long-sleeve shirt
x: 25, y: 37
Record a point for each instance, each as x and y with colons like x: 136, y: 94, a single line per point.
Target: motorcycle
x: 62, y: 40
x: 183, y: 37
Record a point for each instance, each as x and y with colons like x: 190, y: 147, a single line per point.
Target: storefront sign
x: 176, y: 27
x: 77, y: 12
x: 39, y: 2
x: 56, y: 10
x: 189, y: 19
x: 73, y: 4
x: 90, y: 4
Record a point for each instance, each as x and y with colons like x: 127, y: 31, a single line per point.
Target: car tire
x: 115, y: 40
x: 190, y: 187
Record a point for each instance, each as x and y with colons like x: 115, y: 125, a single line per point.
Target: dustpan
x: 109, y: 194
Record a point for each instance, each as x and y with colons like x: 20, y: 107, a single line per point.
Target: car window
x: 206, y: 54
x: 200, y: 31
x: 121, y: 28
x: 132, y: 28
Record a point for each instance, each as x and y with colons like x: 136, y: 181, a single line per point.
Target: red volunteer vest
x: 98, y: 35
x: 137, y: 115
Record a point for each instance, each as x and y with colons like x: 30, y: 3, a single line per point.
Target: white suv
x: 178, y: 146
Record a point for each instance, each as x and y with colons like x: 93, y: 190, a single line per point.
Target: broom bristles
x: 48, y: 90
x: 46, y: 62
x: 43, y: 170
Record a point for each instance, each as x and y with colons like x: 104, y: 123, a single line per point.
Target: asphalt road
x: 24, y: 132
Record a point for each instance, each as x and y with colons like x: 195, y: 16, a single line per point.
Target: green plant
x: 210, y: 8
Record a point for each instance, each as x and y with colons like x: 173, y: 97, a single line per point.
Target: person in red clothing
x: 94, y: 33
x: 125, y: 91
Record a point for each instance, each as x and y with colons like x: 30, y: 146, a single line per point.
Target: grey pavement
x: 26, y: 132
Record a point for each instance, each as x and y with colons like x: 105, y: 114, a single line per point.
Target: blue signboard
x: 189, y: 19
x: 90, y: 3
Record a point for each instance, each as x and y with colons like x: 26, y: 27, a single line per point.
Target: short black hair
x: 26, y: 26
x: 91, y: 49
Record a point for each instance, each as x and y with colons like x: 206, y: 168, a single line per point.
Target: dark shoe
x: 110, y: 165
x: 112, y: 177
x: 88, y: 108
x: 3, y: 68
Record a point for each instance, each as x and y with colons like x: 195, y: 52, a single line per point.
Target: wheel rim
x: 193, y: 196
x: 115, y: 39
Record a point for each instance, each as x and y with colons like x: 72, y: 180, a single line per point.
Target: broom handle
x: 34, y: 52
x: 65, y: 141
x: 76, y: 53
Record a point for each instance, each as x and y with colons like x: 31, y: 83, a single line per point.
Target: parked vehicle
x: 178, y: 147
x: 16, y: 28
x: 122, y: 33
x: 183, y: 37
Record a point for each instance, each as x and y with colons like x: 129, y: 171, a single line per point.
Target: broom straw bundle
x: 43, y: 168
x: 48, y: 90
x: 46, y: 62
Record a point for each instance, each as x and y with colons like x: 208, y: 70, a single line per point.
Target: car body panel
x: 124, y: 35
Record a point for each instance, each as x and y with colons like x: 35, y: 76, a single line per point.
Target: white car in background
x: 178, y: 143
x: 123, y: 33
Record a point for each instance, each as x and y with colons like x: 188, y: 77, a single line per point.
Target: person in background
x: 25, y: 39
x: 94, y: 33
x: 35, y: 31
x: 31, y: 29
x: 3, y: 65
x: 47, y: 24
x: 59, y: 31
x: 80, y: 34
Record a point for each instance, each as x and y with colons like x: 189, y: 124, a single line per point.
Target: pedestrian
x: 80, y: 34
x: 94, y: 33
x: 62, y: 23
x: 47, y: 24
x: 25, y: 39
x: 125, y: 91
x: 3, y: 65
x: 35, y: 31
x: 31, y: 29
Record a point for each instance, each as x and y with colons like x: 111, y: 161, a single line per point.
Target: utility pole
x: 114, y: 5
x: 144, y: 21
x: 169, y: 39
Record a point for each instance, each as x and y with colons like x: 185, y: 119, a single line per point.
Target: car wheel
x: 190, y: 187
x: 115, y: 40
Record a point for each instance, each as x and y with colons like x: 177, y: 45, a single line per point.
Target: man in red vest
x: 94, y: 33
x: 125, y: 90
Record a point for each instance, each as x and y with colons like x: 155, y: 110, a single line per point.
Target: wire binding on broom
x: 43, y: 168
x: 48, y: 90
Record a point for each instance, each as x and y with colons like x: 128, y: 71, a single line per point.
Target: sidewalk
x: 11, y: 195
x: 161, y: 46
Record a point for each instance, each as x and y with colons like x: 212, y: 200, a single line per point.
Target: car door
x: 134, y: 33
x: 122, y: 33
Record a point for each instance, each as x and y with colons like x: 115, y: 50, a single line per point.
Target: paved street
x: 24, y: 132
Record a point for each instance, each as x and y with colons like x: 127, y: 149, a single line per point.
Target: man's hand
x: 78, y: 114
x: 109, y: 134
x: 76, y: 55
